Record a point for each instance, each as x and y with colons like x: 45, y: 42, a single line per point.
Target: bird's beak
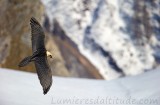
x: 49, y: 54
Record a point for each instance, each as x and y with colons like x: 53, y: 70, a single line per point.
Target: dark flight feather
x: 44, y: 73
x: 41, y: 63
x: 37, y: 35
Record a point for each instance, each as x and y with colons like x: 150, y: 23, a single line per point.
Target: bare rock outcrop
x: 15, y: 31
x: 15, y: 37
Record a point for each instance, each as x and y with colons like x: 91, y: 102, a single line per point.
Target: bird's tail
x: 25, y: 61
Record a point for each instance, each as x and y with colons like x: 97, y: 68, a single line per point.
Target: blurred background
x: 98, y: 39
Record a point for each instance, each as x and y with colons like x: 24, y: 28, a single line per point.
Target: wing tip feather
x: 34, y: 21
x: 45, y: 90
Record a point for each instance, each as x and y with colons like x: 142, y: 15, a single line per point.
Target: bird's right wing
x: 37, y: 35
x: 44, y: 73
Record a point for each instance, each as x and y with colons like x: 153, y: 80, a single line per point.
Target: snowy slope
x: 110, y: 32
x: 21, y: 88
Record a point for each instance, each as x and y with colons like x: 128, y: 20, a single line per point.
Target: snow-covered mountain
x: 119, y: 37
x: 22, y: 88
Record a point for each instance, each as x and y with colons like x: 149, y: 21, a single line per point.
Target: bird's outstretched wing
x: 41, y: 63
x: 44, y: 73
x: 37, y: 35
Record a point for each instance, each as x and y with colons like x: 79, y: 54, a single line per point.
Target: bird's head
x: 49, y: 54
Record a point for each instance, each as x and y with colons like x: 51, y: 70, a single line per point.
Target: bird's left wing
x: 44, y: 73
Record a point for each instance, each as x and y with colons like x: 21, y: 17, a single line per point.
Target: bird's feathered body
x: 39, y: 56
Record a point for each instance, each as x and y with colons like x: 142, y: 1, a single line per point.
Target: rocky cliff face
x: 75, y: 62
x: 15, y: 34
x: 118, y: 37
x: 91, y: 38
x: 15, y: 30
x: 15, y: 39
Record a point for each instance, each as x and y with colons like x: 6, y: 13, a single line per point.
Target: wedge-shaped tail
x: 25, y: 61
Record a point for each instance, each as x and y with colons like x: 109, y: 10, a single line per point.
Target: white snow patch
x: 21, y: 88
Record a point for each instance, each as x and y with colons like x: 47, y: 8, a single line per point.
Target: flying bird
x: 39, y: 56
